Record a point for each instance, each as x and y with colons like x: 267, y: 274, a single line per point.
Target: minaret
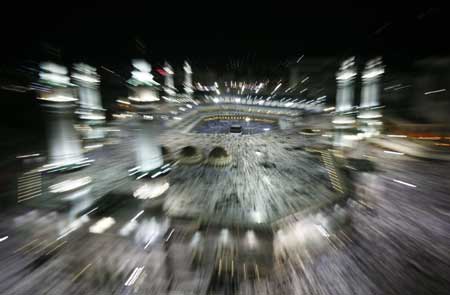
x: 64, y: 147
x: 369, y: 112
x: 169, y: 87
x: 343, y: 121
x: 90, y: 109
x: 370, y: 94
x: 344, y: 79
x: 145, y: 99
x: 188, y: 87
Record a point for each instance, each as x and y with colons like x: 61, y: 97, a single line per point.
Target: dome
x: 190, y: 155
x: 219, y: 157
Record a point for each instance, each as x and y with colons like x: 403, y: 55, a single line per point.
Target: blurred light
x: 404, y: 183
x: 397, y: 135
x: 343, y: 121
x: 94, y: 146
x: 134, y: 276
x: 150, y: 191
x: 69, y: 185
x: 375, y: 72
x: 123, y: 101
x: 102, y: 225
x: 85, y: 78
x: 27, y: 156
x: 329, y: 109
x: 322, y: 230
x: 3, y: 239
x: 137, y: 215
x: 304, y: 80
x: 435, y: 91
x: 394, y: 153
x: 276, y: 88
x: 58, y: 98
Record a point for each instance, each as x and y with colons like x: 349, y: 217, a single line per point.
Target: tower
x: 369, y: 113
x: 145, y: 99
x: 344, y: 79
x: 90, y: 109
x: 344, y: 121
x: 58, y: 101
x: 169, y: 87
x: 188, y: 87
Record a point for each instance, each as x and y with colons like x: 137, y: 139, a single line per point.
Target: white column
x: 370, y: 94
x: 145, y: 97
x: 188, y: 87
x: 169, y: 86
x: 344, y: 93
x: 64, y: 147
x: 87, y: 80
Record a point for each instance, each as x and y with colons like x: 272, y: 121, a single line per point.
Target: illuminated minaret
x: 344, y: 79
x: 145, y: 99
x: 90, y: 105
x: 369, y: 112
x: 87, y: 79
x: 188, y: 87
x: 343, y: 121
x: 169, y: 87
x: 370, y: 94
x: 64, y: 147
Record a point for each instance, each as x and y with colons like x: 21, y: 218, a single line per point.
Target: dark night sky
x: 214, y: 32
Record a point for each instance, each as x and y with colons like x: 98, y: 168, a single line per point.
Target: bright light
x: 404, y: 183
x: 53, y: 68
x: 393, y: 153
x: 435, y: 91
x: 3, y: 239
x: 94, y: 146
x: 141, y: 65
x: 345, y: 75
x: 69, y: 185
x: 276, y: 88
x: 397, y: 135
x: 92, y: 117
x: 85, y: 78
x: 102, y: 225
x: 27, y: 156
x: 146, y: 97
x: 134, y: 276
x: 137, y: 215
x: 329, y: 109
x: 150, y: 191
x: 123, y: 101
x: 266, y: 129
x: 143, y: 77
x: 373, y: 73
x: 343, y: 121
x: 247, y: 119
x: 370, y: 116
x: 59, y: 98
